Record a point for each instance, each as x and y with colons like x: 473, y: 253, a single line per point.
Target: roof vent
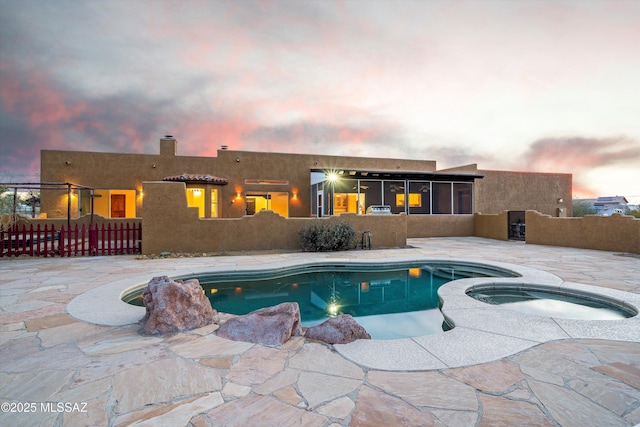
x: 168, y: 137
x: 224, y: 147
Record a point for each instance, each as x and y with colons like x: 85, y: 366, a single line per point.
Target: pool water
x: 389, y: 301
x: 552, y: 304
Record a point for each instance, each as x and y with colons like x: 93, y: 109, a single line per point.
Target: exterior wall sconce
x: 295, y: 195
x: 153, y: 165
x: 560, y: 200
x: 68, y: 162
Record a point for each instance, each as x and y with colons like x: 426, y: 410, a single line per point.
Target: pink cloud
x: 33, y: 96
x: 579, y: 156
x: 576, y: 153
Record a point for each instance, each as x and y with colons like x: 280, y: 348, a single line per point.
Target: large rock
x: 268, y: 326
x: 175, y: 306
x: 341, y: 329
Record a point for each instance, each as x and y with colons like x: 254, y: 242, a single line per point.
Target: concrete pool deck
x: 489, y: 370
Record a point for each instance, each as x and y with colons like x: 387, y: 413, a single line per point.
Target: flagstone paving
x: 113, y: 376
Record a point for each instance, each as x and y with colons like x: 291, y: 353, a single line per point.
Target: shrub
x: 320, y: 236
x: 581, y: 209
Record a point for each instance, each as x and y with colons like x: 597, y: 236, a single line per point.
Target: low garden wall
x: 617, y: 233
x: 168, y: 225
x: 440, y: 225
x: 492, y: 226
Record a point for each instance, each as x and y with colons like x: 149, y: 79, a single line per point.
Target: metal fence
x: 86, y: 240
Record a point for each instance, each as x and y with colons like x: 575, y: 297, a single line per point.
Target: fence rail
x: 86, y: 240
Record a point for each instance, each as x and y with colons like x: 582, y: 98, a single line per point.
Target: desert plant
x: 320, y: 236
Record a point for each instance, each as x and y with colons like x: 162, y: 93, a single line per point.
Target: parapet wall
x: 168, y: 225
x: 619, y: 233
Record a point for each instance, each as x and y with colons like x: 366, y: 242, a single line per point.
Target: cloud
x: 597, y: 164
x: 580, y: 153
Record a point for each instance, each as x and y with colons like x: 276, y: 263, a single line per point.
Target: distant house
x: 608, y: 205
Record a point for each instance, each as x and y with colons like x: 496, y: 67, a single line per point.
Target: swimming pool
x: 391, y: 300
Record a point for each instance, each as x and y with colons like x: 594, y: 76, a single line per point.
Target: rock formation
x: 341, y: 329
x: 267, y: 326
x: 175, y: 306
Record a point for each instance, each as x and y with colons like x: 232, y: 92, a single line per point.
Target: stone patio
x: 113, y: 376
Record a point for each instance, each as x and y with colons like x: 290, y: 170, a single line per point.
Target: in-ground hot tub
x: 553, y: 302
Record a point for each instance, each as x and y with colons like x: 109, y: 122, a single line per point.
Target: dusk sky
x: 546, y: 86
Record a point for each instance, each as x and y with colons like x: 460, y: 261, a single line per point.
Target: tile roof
x: 186, y: 177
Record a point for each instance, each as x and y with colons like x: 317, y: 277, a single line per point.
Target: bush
x: 320, y: 236
x: 581, y: 209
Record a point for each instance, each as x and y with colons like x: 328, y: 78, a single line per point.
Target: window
x: 214, y: 203
x: 393, y: 189
x: 462, y: 198
x: 442, y: 198
x: 419, y: 197
x: 195, y: 199
x: 415, y: 200
x: 274, y: 201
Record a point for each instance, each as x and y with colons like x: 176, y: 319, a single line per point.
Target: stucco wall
x: 168, y: 225
x: 520, y: 191
x: 492, y: 226
x: 617, y: 233
x: 439, y: 225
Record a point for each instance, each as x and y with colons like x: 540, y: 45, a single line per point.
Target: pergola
x: 57, y: 186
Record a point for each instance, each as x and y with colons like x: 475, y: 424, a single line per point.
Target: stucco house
x: 238, y: 183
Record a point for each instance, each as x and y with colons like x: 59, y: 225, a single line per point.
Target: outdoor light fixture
x: 153, y: 165
x: 332, y: 176
x: 560, y: 200
x: 68, y: 162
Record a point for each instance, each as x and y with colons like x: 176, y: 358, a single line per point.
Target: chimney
x: 168, y: 146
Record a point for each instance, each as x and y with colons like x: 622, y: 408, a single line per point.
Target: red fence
x: 91, y: 240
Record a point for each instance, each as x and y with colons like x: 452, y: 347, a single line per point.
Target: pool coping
x: 482, y: 332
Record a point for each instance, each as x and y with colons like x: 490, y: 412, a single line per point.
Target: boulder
x: 175, y: 306
x: 267, y: 326
x: 341, y: 329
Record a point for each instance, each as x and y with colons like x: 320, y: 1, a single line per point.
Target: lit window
x: 415, y: 200
x: 195, y: 198
x: 214, y: 203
